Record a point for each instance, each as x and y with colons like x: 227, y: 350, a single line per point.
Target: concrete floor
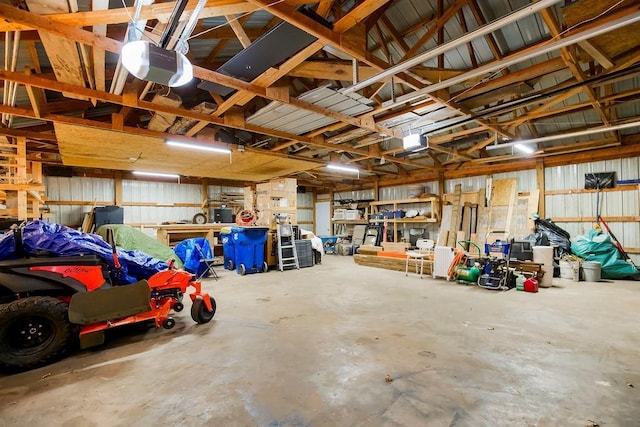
x: 313, y: 348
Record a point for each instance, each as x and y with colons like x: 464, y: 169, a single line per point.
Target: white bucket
x: 592, y: 271
x: 544, y: 255
x: 570, y: 270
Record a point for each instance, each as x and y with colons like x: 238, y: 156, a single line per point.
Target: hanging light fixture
x: 156, y: 64
x: 201, y: 147
x: 157, y: 174
x: 527, y: 149
x: 343, y: 168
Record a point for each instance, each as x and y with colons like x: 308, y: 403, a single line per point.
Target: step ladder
x: 286, y: 242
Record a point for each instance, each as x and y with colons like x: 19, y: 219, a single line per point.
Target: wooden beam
x: 316, y: 141
x: 117, y: 189
x: 36, y: 97
x: 160, y: 11
x: 596, y: 54
x: 341, y: 70
x: 236, y: 26
x: 572, y: 63
x: 540, y: 181
x: 111, y: 45
x: 432, y: 31
x: 402, y: 45
x: 98, y: 55
x: 324, y: 7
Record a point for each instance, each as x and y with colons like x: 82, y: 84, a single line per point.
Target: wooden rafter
x: 572, y: 63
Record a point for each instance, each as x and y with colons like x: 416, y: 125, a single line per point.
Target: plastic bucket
x: 592, y: 271
x: 570, y: 270
x: 544, y: 255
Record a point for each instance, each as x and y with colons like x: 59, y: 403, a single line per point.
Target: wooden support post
x: 205, y: 197
x: 21, y: 175
x: 541, y: 187
x: 117, y: 189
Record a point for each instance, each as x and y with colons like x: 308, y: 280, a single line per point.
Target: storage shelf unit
x: 431, y: 206
x: 344, y: 227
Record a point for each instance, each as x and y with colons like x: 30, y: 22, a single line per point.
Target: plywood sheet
x: 503, y: 192
x: 611, y: 43
x: 62, y: 52
x: 99, y: 148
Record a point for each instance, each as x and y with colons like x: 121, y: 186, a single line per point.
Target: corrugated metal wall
x: 354, y: 195
x: 613, y: 204
x: 570, y: 177
x: 76, y: 189
x: 164, y: 195
x: 402, y: 191
x: 474, y: 183
x: 526, y: 181
x: 102, y: 190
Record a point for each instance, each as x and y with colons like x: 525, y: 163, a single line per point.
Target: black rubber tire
x: 199, y: 218
x: 265, y: 267
x: 199, y: 312
x: 242, y: 269
x: 168, y: 323
x: 178, y: 307
x: 34, y: 331
x: 230, y: 265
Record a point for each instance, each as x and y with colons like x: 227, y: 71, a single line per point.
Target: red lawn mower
x: 49, y: 304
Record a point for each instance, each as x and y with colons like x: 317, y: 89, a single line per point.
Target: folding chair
x: 208, y: 262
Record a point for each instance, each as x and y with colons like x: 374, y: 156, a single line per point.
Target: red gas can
x: 531, y: 285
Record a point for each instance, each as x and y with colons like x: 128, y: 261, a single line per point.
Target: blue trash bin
x: 248, y: 244
x: 228, y: 251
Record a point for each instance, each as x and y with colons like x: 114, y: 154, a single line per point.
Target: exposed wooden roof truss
x: 61, y: 67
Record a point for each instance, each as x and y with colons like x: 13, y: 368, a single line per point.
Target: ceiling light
x: 414, y: 140
x: 157, y: 174
x: 524, y: 148
x: 343, y: 168
x: 202, y: 147
x: 156, y: 64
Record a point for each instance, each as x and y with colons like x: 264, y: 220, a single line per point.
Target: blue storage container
x: 248, y: 244
x: 329, y: 244
x: 228, y: 252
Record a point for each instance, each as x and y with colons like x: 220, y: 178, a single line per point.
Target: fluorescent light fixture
x: 343, y: 168
x: 149, y: 62
x: 202, y: 147
x: 157, y: 174
x: 524, y: 148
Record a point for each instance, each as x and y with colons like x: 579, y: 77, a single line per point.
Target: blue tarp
x: 46, y: 239
x: 191, y: 257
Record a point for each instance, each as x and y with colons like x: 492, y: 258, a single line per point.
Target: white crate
x: 339, y: 214
x: 352, y: 214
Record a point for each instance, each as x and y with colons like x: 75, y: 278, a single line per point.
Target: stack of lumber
x: 472, y: 215
x: 21, y: 183
x: 388, y: 263
x: 390, y: 256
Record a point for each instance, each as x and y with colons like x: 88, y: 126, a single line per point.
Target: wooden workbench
x: 171, y: 234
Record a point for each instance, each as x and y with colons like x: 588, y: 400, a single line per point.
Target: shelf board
x: 405, y: 201
x: 350, y: 221
x: 405, y: 221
